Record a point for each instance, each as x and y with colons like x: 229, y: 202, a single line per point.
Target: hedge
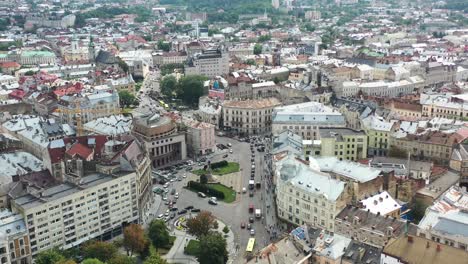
x: 219, y: 164
x: 205, y: 189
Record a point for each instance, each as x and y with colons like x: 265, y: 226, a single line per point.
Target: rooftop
x: 253, y: 104
x: 339, y: 133
x: 381, y: 203
x: 110, y: 125
x: 352, y: 170
x: 280, y: 252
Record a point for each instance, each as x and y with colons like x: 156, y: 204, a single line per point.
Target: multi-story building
x: 366, y: 227
x: 239, y: 86
x: 161, y: 138
x: 91, y: 106
x: 343, y: 143
x: 438, y: 73
x: 66, y: 215
x: 34, y: 58
x: 307, y: 196
x: 378, y: 133
x: 241, y: 50
x: 200, y: 138
x: 353, y: 110
x: 306, y: 119
x: 405, y: 110
x: 14, y: 240
x: 249, y: 117
x: 210, y: 63
x: 125, y: 83
x: 313, y: 15
x: 382, y: 204
x: 446, y: 221
x: 165, y: 58
x: 446, y: 106
x: 288, y: 142
x: 210, y: 113
x: 361, y: 180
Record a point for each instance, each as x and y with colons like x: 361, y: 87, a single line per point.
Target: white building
x: 210, y: 63
x: 306, y: 119
x: 67, y: 215
x: 306, y: 196
x: 14, y: 241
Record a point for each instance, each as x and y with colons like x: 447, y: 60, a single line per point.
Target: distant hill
x: 243, y: 6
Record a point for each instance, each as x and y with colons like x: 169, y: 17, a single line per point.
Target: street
x: 237, y: 212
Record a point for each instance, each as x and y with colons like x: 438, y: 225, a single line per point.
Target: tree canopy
x: 201, y: 224
x: 168, y: 86
x: 213, y: 249
x: 100, y: 250
x: 49, y: 256
x: 158, y: 233
x: 258, y: 49
x: 191, y: 88
x: 126, y: 98
x: 134, y: 239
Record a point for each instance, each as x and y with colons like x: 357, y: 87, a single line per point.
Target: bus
x: 250, y: 245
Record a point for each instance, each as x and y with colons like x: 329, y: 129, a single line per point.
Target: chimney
x: 439, y: 248
x: 410, y: 239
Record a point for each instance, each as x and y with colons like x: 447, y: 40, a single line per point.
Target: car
x: 252, y: 232
x: 190, y: 207
x: 172, y: 180
x: 166, y: 185
x: 173, y: 191
x: 184, y: 176
x: 244, y: 190
x: 173, y: 209
x: 160, y: 216
x: 189, y: 168
x: 251, y: 219
x: 251, y: 194
x: 195, y: 210
x: 242, y: 225
x: 182, y: 211
x: 172, y: 216
x: 230, y: 151
x: 167, y: 212
x: 249, y: 226
x: 225, y: 156
x: 229, y: 144
x: 179, y: 179
x: 166, y: 202
x: 202, y: 195
x: 176, y: 196
x: 164, y: 198
x: 213, y: 202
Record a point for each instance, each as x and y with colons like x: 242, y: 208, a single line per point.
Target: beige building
x: 446, y: 106
x: 343, y: 143
x: 165, y: 58
x: 249, y: 117
x: 307, y: 196
x: 366, y: 227
x: 200, y: 138
x: 161, y: 138
x: 14, y: 240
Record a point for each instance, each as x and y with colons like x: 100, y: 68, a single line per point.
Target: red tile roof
x: 10, y: 64
x: 80, y: 150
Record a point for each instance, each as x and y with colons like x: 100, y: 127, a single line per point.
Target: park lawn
x: 230, y: 168
x: 229, y: 194
x: 192, y: 247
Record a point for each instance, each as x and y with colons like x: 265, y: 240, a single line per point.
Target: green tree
x: 213, y: 249
x: 155, y: 259
x: 203, y: 179
x: 100, y: 250
x: 264, y: 38
x: 169, y: 68
x: 49, y: 256
x: 201, y: 224
x: 122, y: 259
x: 418, y: 210
x: 123, y: 65
x: 309, y: 27
x: 158, y: 233
x: 258, y: 49
x: 92, y: 261
x: 168, y: 85
x: 191, y: 88
x: 225, y: 230
x: 126, y: 98
x: 165, y: 46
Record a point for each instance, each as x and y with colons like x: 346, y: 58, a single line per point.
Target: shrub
x: 219, y: 164
x: 205, y: 189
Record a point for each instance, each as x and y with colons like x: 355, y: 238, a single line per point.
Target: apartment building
x: 354, y: 110
x: 378, y: 133
x: 361, y: 180
x: 14, y: 240
x: 366, y: 227
x: 381, y: 88
x: 249, y: 117
x: 200, y: 138
x: 445, y: 105
x: 438, y: 73
x: 446, y: 220
x: 403, y: 110
x: 343, y: 143
x: 66, y: 215
x: 210, y: 113
x: 210, y: 63
x: 306, y: 119
x: 165, y: 58
x: 125, y: 83
x: 91, y: 106
x: 239, y: 86
x: 162, y: 140
x: 241, y: 50
x: 307, y: 196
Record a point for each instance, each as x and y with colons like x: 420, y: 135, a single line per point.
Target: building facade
x: 200, y: 138
x: 343, y: 143
x: 210, y: 63
x: 14, y: 240
x: 249, y: 117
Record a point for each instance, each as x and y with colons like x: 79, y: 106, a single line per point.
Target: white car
x: 176, y: 195
x: 160, y: 216
x: 244, y: 190
x: 252, y: 232
x: 185, y: 176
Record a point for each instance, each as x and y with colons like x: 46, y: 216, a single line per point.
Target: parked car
x: 173, y: 209
x: 225, y: 155
x: 213, y: 202
x: 252, y: 232
x: 251, y: 194
x: 249, y: 226
x: 251, y: 219
x: 195, y: 210
x: 173, y: 191
x: 202, y: 195
x: 242, y: 225
x: 182, y: 211
x: 190, y: 207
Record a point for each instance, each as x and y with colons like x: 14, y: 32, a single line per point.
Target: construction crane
x: 78, y: 111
